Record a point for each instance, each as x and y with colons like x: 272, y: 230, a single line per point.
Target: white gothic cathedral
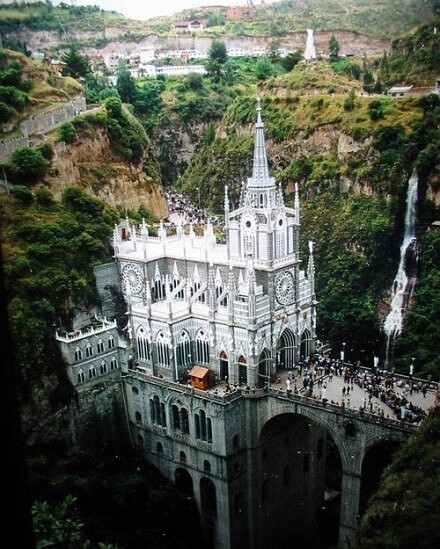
x: 243, y: 309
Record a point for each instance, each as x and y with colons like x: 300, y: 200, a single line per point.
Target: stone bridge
x: 254, y: 458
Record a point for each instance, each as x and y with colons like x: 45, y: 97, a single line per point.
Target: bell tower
x: 262, y: 228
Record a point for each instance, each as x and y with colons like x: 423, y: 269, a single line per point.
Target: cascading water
x: 310, y: 52
x: 405, y: 278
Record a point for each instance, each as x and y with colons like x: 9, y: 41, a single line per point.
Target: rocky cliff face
x: 350, y: 42
x: 93, y: 165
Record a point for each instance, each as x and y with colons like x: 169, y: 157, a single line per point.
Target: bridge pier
x: 350, y: 495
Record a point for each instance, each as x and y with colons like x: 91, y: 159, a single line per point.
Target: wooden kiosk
x: 201, y: 378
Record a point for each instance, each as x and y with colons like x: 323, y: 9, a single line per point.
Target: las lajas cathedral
x: 242, y: 309
x: 209, y: 327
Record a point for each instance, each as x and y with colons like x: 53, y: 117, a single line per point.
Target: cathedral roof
x: 260, y: 171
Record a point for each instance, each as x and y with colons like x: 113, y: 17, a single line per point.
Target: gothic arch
x: 264, y: 367
x: 306, y: 347
x: 242, y: 370
x: 286, y: 347
x: 202, y: 347
x: 223, y: 365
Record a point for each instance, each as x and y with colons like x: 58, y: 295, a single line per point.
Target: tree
x: 126, y: 85
x: 27, y: 165
x: 333, y: 46
x: 76, y: 65
x: 291, y: 60
x: 67, y: 132
x: 263, y: 68
x: 368, y: 81
x: 217, y: 57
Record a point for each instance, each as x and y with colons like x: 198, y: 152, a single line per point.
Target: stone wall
x: 41, y: 123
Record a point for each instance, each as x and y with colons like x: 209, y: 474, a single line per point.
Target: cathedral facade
x: 243, y: 309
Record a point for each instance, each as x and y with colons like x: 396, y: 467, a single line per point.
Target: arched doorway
x: 298, y: 473
x: 286, y: 350
x: 224, y: 366
x: 184, y: 482
x: 242, y: 370
x: 306, y: 344
x: 264, y: 363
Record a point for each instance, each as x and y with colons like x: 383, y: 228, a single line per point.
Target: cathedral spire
x: 260, y: 172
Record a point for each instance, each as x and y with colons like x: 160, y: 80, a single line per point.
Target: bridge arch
x: 183, y: 481
x: 290, y: 462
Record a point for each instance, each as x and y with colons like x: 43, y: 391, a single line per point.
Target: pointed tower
x: 262, y: 228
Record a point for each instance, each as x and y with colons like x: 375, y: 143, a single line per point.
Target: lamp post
x: 198, y: 194
x: 343, y: 352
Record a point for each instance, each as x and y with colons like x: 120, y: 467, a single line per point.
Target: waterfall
x: 405, y: 278
x: 310, y: 52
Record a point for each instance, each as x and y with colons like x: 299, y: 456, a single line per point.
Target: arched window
x: 202, y: 348
x: 89, y: 350
x: 78, y: 354
x: 111, y: 342
x: 281, y: 238
x: 206, y: 466
x: 143, y: 346
x: 184, y: 422
x: 203, y: 426
x: 175, y: 417
x: 135, y: 390
x: 208, y: 496
x: 157, y: 411
x: 182, y: 456
x: 100, y: 346
x: 163, y: 351
x: 114, y: 363
x: 159, y: 448
x: 103, y: 367
x: 92, y: 372
x: 81, y: 377
x: 183, y: 350
x: 138, y: 417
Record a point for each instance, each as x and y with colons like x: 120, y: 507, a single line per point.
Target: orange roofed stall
x: 201, y: 378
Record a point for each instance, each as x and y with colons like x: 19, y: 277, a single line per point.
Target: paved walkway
x: 334, y: 394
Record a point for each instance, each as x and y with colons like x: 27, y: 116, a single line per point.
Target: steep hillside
x: 414, y: 58
x: 352, y: 155
x: 28, y: 87
x: 42, y: 26
x: 95, y: 163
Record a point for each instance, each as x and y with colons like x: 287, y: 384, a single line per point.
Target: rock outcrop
x: 92, y: 164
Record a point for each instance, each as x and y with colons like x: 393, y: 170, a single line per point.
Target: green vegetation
x: 405, y: 509
x: 67, y: 133
x: 334, y: 46
x: 50, y: 248
x: 27, y: 165
x: 420, y: 334
x: 415, y: 58
x: 76, y: 65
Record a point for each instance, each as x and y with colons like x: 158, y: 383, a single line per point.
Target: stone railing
x: 41, y: 123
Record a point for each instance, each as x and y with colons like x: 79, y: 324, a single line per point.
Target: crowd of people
x: 319, y: 371
x: 189, y: 213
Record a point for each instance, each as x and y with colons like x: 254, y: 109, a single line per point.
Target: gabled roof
x: 199, y: 372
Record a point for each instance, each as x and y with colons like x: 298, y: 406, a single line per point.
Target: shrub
x: 113, y: 106
x: 375, y: 110
x: 6, y: 113
x: 22, y: 194
x: 44, y: 197
x: 46, y: 150
x: 67, y: 133
x: 27, y: 165
x: 349, y: 103
x: 13, y: 97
